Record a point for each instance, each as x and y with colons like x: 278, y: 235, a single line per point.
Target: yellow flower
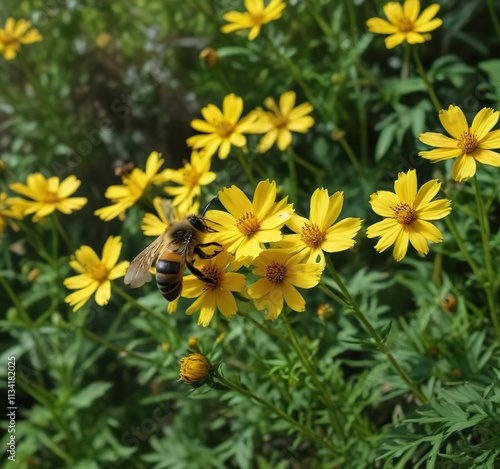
x: 281, y: 273
x: 95, y: 274
x: 319, y: 233
x: 14, y: 34
x: 103, y: 40
x: 7, y: 212
x: 405, y: 24
x: 47, y: 195
x: 407, y: 213
x: 134, y: 186
x: 249, y: 225
x: 190, y: 178
x: 255, y: 16
x: 281, y: 121
x: 223, y: 128
x: 215, y: 295
x: 195, y: 368
x: 470, y: 144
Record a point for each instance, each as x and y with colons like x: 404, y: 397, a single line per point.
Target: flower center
x: 312, y: 235
x: 51, y: 197
x: 98, y: 272
x: 225, y: 129
x: 404, y: 214
x: 9, y: 39
x: 213, y: 274
x: 280, y: 121
x: 405, y: 25
x: 275, y: 272
x: 248, y: 224
x: 467, y: 142
x: 258, y: 18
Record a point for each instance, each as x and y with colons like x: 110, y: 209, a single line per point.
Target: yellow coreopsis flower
x: 470, y: 144
x: 14, y: 34
x: 281, y: 272
x: 47, y: 196
x: 134, y: 186
x: 7, y: 212
x: 407, y: 213
x: 256, y: 15
x: 223, y: 128
x: 405, y: 23
x: 217, y: 294
x: 319, y: 233
x: 280, y: 121
x: 190, y: 178
x: 249, y: 225
x: 95, y: 274
x: 195, y: 368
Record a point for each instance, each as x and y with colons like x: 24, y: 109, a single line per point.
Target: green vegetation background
x: 82, y: 405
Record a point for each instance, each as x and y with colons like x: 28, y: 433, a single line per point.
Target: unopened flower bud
x: 194, y: 368
x: 209, y: 56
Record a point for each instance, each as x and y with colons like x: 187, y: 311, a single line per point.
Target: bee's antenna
x: 208, y: 205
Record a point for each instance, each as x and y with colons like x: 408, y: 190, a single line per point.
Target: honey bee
x: 173, y: 250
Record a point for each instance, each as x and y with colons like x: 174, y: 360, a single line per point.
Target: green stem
x: 263, y: 327
x: 319, y: 385
x: 428, y: 84
x: 323, y: 25
x: 296, y: 73
x: 352, y: 156
x: 307, y: 432
x: 376, y: 337
x: 305, y: 164
x: 461, y: 246
x: 138, y: 305
x: 293, y: 176
x: 111, y: 345
x: 15, y: 300
x: 62, y: 232
x: 490, y: 286
x: 494, y: 17
x: 246, y: 168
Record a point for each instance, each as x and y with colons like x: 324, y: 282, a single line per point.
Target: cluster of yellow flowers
x: 251, y: 232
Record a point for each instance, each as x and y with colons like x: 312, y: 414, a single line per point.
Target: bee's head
x: 198, y: 223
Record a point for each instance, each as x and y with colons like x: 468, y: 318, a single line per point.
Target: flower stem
x: 314, y: 378
x: 293, y: 175
x: 307, y: 432
x: 458, y: 239
x: 62, y: 232
x: 379, y: 341
x: 115, y: 347
x: 352, y: 156
x: 428, y: 84
x: 490, y: 286
x: 15, y: 300
x: 138, y: 305
x: 494, y: 17
x: 246, y: 167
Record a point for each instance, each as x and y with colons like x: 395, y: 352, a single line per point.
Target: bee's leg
x: 204, y: 255
x: 198, y: 273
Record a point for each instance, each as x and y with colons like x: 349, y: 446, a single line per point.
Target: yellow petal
x: 484, y: 121
x: 427, y: 230
x: 491, y: 141
x: 434, y: 210
x: 382, y: 203
x: 435, y: 139
x: 427, y: 15
x: 401, y: 245
x: 394, y: 40
x: 393, y: 11
x: 454, y: 121
x: 406, y: 186
x: 103, y: 293
x: 464, y: 168
x: 419, y: 242
x: 411, y: 9
x: 380, y: 26
x: 426, y: 193
x: 293, y: 298
x: 486, y: 157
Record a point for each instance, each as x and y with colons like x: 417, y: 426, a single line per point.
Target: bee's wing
x: 138, y: 271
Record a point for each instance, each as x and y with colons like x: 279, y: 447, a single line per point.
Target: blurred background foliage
x: 113, y: 81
